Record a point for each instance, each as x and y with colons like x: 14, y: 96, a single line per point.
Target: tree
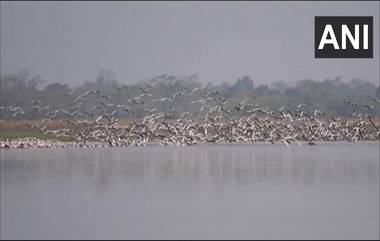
x: 106, y: 76
x: 279, y: 86
x: 35, y: 82
x: 56, y: 87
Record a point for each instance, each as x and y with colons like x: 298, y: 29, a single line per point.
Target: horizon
x: 290, y: 83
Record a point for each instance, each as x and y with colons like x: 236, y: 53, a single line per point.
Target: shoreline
x: 34, y: 143
x: 188, y: 131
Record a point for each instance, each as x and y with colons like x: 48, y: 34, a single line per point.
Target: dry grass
x: 13, y: 129
x: 7, y: 125
x: 25, y: 125
x: 23, y: 128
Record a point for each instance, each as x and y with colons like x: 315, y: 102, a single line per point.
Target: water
x: 211, y: 192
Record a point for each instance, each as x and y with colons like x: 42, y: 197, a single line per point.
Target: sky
x: 69, y: 42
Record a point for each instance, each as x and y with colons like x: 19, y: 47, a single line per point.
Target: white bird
x: 162, y: 100
x: 70, y: 93
x: 150, y: 111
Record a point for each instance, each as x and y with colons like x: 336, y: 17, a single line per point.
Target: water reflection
x: 201, y: 192
x: 218, y: 166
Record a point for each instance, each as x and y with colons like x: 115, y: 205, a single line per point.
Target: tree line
x: 333, y: 97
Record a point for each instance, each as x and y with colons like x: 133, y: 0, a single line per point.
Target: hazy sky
x: 221, y: 41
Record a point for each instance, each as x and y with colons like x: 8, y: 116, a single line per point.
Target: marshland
x: 126, y: 120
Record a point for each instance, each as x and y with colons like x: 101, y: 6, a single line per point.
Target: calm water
x: 224, y: 192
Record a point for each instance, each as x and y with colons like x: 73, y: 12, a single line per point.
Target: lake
x: 326, y: 191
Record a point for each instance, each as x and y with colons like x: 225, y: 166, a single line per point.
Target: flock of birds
x: 217, y: 124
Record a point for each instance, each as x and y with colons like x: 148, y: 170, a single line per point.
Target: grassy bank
x: 23, y: 128
x: 13, y: 134
x: 13, y: 129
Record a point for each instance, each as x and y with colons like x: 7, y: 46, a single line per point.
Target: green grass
x: 15, y: 134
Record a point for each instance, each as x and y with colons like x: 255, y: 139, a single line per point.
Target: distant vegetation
x: 333, y: 97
